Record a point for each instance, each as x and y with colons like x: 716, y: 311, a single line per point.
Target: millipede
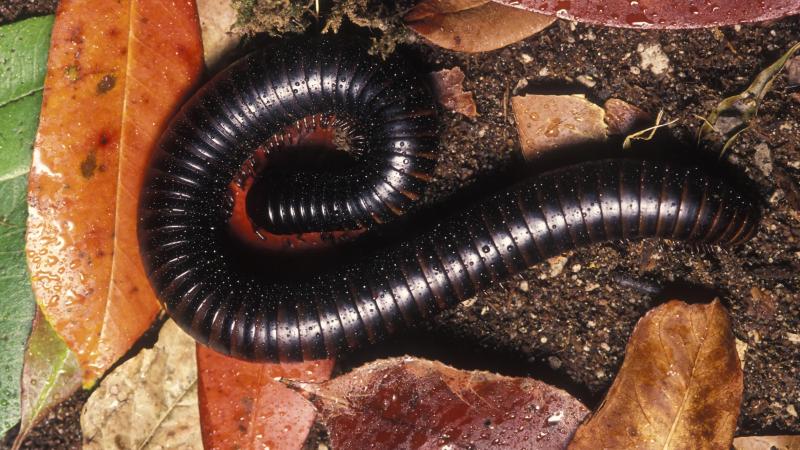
x: 388, y: 118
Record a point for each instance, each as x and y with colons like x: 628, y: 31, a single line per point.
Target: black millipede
x: 185, y: 205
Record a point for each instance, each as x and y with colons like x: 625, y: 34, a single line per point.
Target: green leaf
x: 51, y: 374
x: 23, y: 59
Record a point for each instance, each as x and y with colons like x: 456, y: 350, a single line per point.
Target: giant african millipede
x: 185, y: 206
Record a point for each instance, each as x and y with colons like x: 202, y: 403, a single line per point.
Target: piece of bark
x: 549, y: 122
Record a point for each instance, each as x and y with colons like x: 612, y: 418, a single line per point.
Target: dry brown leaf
x: 472, y: 26
x: 116, y: 72
x: 150, y: 401
x: 547, y: 122
x: 680, y: 385
x: 216, y: 23
x: 419, y: 404
x: 767, y: 443
x: 448, y: 85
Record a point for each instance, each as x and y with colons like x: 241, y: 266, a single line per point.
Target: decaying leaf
x: 149, y: 401
x: 547, y: 122
x: 662, y: 14
x: 116, y: 72
x: 735, y: 114
x: 680, y: 385
x: 472, y: 25
x: 217, y: 18
x: 767, y: 443
x: 243, y: 406
x: 23, y: 54
x: 449, y: 90
x: 414, y: 403
x: 50, y: 375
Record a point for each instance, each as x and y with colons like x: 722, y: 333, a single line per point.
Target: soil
x: 567, y: 321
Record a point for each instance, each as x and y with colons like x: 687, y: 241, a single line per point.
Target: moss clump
x: 278, y: 17
x: 385, y: 17
x: 274, y: 17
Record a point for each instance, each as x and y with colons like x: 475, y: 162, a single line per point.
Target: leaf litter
x: 149, y: 401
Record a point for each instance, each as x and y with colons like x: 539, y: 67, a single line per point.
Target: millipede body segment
x: 184, y: 209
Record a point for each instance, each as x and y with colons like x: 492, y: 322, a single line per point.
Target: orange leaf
x: 243, y: 406
x: 680, y: 385
x: 116, y: 73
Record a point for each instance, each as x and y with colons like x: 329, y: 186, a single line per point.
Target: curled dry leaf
x: 472, y: 26
x: 243, y: 406
x: 116, y: 72
x: 150, y: 401
x: 547, y: 122
x: 414, y: 403
x: 661, y: 14
x: 767, y: 443
x: 680, y: 385
x: 448, y: 85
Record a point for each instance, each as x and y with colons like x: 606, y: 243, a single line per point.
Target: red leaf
x: 661, y: 14
x: 419, y: 404
x: 243, y: 406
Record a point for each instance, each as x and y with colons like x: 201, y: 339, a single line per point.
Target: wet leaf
x: 50, y: 375
x: 680, y: 385
x: 116, y: 72
x: 653, y: 14
x: 734, y: 114
x: 767, y: 443
x: 149, y: 401
x: 448, y: 85
x: 217, y: 18
x: 471, y: 25
x: 243, y: 406
x: 23, y: 55
x: 414, y: 403
x: 548, y: 122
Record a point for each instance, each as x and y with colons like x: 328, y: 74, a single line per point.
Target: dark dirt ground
x: 569, y: 327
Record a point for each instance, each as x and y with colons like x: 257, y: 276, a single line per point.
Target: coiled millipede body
x: 185, y: 206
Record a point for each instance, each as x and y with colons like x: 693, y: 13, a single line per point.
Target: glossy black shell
x: 183, y: 210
